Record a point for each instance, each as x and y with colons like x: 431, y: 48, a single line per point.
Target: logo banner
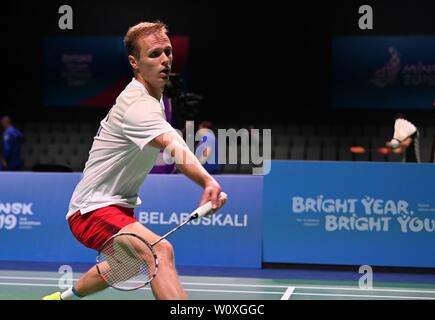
x: 383, y: 72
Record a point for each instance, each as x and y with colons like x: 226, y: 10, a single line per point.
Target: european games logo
x: 387, y: 75
x: 412, y: 75
x: 17, y: 215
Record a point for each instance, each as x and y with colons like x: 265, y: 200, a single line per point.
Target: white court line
x: 364, y: 290
x: 234, y: 291
x: 256, y: 292
x: 361, y: 296
x: 29, y: 278
x: 186, y: 283
x: 29, y: 284
x: 255, y: 285
x: 312, y: 287
x: 200, y: 290
x: 288, y: 293
x: 234, y: 285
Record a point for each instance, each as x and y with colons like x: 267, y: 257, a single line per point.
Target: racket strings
x: 127, y: 263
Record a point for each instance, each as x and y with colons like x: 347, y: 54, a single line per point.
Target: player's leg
x: 166, y: 285
x: 92, y: 230
x: 91, y: 282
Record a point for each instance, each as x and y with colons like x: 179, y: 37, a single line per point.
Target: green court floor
x: 32, y: 285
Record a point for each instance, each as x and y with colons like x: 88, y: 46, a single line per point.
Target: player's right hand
x: 211, y: 193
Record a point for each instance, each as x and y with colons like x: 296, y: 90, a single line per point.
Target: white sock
x: 71, y: 294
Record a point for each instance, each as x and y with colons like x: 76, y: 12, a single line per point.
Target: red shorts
x: 94, y: 228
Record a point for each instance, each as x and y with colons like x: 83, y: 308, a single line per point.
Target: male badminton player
x: 409, y: 147
x: 123, y: 152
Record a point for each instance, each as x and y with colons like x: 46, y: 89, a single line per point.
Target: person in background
x: 12, y: 141
x: 207, y: 149
x: 161, y: 166
x: 432, y: 157
x: 408, y: 148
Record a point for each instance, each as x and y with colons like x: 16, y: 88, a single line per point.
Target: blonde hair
x: 140, y: 30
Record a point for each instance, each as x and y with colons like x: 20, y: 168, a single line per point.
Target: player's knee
x: 165, y: 251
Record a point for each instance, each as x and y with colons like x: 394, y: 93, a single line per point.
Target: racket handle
x: 205, y: 208
x: 395, y: 143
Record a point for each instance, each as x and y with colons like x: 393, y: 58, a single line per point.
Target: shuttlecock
x: 402, y: 130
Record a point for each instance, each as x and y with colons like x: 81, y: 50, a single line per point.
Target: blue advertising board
x: 230, y: 237
x: 33, y: 226
x: 348, y: 213
x: 383, y: 72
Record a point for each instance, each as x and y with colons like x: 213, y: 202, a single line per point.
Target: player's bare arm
x: 189, y: 165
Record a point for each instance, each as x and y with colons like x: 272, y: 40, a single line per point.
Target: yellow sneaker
x: 53, y: 296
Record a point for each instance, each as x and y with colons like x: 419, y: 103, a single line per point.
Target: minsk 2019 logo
x: 17, y: 215
x: 387, y: 75
x: 411, y: 74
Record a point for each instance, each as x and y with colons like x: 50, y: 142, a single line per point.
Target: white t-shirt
x: 120, y: 159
